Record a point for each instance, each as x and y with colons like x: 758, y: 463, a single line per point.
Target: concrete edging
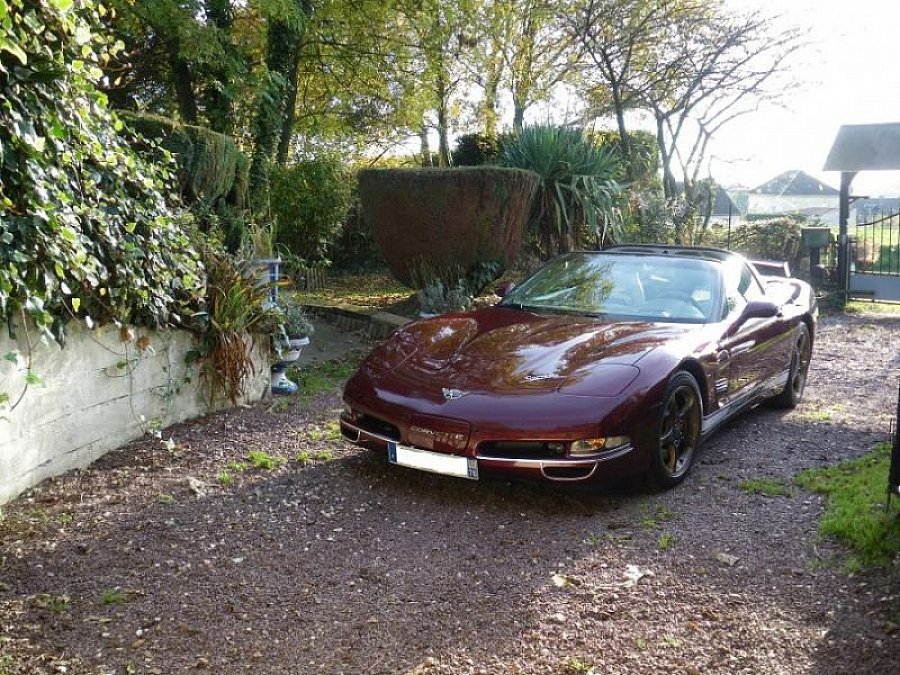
x: 373, y: 324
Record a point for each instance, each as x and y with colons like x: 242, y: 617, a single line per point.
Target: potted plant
x: 297, y: 324
x: 292, y: 336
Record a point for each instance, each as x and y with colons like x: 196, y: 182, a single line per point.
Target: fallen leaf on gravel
x: 197, y: 486
x: 564, y: 580
x: 633, y: 574
x: 727, y: 559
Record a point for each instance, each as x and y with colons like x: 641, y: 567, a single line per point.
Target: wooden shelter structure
x: 859, y: 147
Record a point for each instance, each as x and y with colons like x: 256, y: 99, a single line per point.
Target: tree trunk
x: 290, y: 94
x: 489, y: 105
x: 518, y: 116
x: 184, y: 85
x: 443, y: 120
x: 218, y: 102
x: 624, y: 141
x: 424, y: 147
x: 670, y: 189
x: 282, y: 61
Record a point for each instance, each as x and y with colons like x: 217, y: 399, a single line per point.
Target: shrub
x: 354, y: 248
x: 212, y: 172
x: 775, y: 239
x: 310, y: 200
x: 430, y: 222
x: 577, y: 188
x: 476, y: 150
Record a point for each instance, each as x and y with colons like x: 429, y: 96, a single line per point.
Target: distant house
x: 725, y: 209
x: 795, y: 193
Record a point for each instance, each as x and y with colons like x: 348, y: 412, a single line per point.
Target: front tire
x: 680, y: 426
x: 792, y: 394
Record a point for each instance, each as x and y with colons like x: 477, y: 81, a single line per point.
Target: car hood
x: 513, y: 351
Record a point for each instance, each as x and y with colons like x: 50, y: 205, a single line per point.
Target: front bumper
x: 618, y: 461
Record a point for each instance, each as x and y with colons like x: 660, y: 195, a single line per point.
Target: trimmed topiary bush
x: 431, y: 222
x: 211, y: 168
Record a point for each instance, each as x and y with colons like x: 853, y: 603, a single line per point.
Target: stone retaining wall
x: 97, y: 393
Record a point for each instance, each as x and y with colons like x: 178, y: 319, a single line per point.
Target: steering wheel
x: 673, y: 294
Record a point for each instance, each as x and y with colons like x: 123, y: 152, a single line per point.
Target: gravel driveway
x: 146, y: 563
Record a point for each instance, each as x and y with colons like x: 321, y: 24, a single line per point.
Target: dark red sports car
x: 600, y: 364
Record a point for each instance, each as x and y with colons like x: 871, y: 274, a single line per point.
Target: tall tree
x: 277, y: 96
x: 541, y: 54
x: 620, y: 40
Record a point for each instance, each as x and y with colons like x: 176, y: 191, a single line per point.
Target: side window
x: 741, y: 286
x: 749, y: 286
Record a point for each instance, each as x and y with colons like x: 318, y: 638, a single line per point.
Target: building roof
x: 795, y: 183
x: 865, y: 147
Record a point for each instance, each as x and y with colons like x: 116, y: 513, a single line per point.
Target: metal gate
x: 875, y: 255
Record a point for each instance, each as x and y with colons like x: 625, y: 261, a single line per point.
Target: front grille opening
x: 377, y: 426
x: 521, y: 450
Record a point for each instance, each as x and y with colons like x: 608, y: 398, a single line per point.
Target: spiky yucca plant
x: 577, y: 193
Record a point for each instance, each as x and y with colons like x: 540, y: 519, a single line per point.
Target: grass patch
x: 655, y: 516
x: 326, y: 377
x: 55, y: 603
x: 237, y: 467
x: 868, y: 307
x: 224, y: 478
x: 577, y: 666
x: 770, y: 487
x: 665, y: 542
x: 305, y: 456
x: 115, y: 596
x: 816, y: 416
x: 855, y: 513
x: 263, y: 461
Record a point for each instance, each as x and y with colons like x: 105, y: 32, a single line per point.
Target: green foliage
x: 577, y: 193
x: 115, y: 596
x: 855, y: 513
x: 476, y: 150
x: 87, y: 227
x: 264, y: 461
x: 354, y: 248
x: 310, y: 201
x: 643, y: 171
x: 775, y: 239
x: 207, y: 161
x: 237, y: 307
x: 665, y: 542
x: 294, y: 318
x: 212, y: 172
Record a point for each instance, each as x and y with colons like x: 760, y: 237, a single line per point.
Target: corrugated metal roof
x: 865, y: 147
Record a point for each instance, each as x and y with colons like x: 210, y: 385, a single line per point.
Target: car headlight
x: 593, y: 446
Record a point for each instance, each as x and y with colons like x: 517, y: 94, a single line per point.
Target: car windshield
x: 639, y: 287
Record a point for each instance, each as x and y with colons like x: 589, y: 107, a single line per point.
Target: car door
x: 753, y: 355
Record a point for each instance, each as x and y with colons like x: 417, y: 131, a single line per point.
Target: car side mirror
x: 755, y: 309
x: 503, y: 289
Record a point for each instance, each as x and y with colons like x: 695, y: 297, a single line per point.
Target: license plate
x: 435, y: 462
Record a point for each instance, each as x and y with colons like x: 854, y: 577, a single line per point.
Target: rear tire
x: 792, y: 394
x: 680, y: 426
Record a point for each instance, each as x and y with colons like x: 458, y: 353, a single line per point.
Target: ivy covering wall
x: 88, y: 228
